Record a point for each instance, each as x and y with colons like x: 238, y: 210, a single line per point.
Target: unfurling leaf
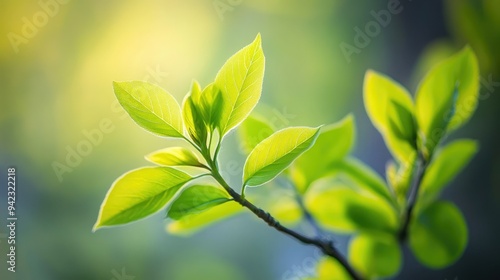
x: 342, y: 209
x: 140, y: 193
x: 193, y: 116
x: 375, y: 255
x: 150, y: 107
x: 196, y: 222
x: 390, y: 108
x: 240, y: 81
x: 252, y: 131
x: 438, y: 235
x: 196, y: 199
x: 446, y: 98
x: 211, y: 105
x: 174, y: 156
x: 333, y: 144
x: 273, y: 155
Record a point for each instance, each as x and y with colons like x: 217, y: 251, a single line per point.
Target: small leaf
x: 341, y: 209
x: 196, y: 199
x: 240, y: 80
x: 138, y: 194
x: 447, y: 98
x: 390, y: 108
x: 273, y: 155
x: 193, y: 117
x: 399, y: 176
x: 333, y: 144
x: 375, y: 255
x: 438, y: 236
x: 174, y: 156
x: 252, y: 131
x: 446, y: 164
x: 211, y: 103
x: 330, y: 269
x: 286, y: 210
x: 151, y: 107
x: 196, y: 222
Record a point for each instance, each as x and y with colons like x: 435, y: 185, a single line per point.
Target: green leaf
x: 192, y: 223
x: 390, y: 108
x: 211, y: 103
x: 196, y: 199
x: 399, y: 177
x: 446, y: 98
x: 447, y: 163
x: 240, y: 80
x: 174, y: 156
x: 151, y: 107
x: 252, y: 131
x: 286, y: 210
x: 342, y: 209
x: 330, y: 269
x: 438, y: 236
x: 375, y: 255
x: 362, y: 176
x: 273, y: 155
x: 139, y: 193
x: 333, y: 144
x: 193, y: 116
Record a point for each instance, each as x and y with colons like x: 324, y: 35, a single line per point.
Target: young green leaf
x: 151, y: 107
x: 139, y: 193
x: 252, y: 131
x: 342, y: 209
x: 240, y: 80
x: 446, y: 164
x: 174, y: 156
x: 286, y: 210
x: 390, y: 108
x: 333, y: 144
x: 399, y: 176
x: 447, y: 97
x: 330, y: 269
x: 193, y: 116
x: 375, y: 255
x: 196, y: 222
x: 273, y: 155
x: 438, y: 236
x: 196, y: 199
x: 211, y: 104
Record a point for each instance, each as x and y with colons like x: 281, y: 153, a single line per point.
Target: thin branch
x: 413, y: 197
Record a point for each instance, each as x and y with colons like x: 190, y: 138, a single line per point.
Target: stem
x: 412, y: 199
x: 326, y: 246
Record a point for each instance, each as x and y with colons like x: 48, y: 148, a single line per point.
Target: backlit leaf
x: 196, y: 199
x: 252, y: 131
x: 174, y: 156
x: 330, y: 269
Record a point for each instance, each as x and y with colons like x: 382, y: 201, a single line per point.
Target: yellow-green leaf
x: 252, y: 131
x: 174, y: 156
x: 438, y: 236
x: 151, y: 107
x: 390, y: 108
x: 273, y: 155
x: 446, y: 98
x: 193, y: 116
x: 342, y: 209
x: 333, y: 144
x: 139, y: 193
x: 196, y: 222
x: 196, y: 199
x: 330, y: 269
x: 375, y: 255
x: 240, y: 80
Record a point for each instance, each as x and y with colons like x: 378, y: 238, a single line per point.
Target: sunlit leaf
x: 333, y: 144
x: 193, y: 116
x: 196, y: 222
x: 273, y: 155
x: 240, y: 80
x: 139, y: 193
x: 375, y: 255
x: 344, y: 210
x: 151, y: 107
x: 286, y: 210
x: 252, y: 131
x: 399, y: 176
x: 330, y: 269
x: 390, y: 108
x: 447, y: 163
x: 447, y: 98
x: 174, y: 156
x: 211, y: 104
x: 438, y: 236
x: 196, y: 199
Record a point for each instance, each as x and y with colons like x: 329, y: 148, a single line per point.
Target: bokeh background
x: 56, y: 87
